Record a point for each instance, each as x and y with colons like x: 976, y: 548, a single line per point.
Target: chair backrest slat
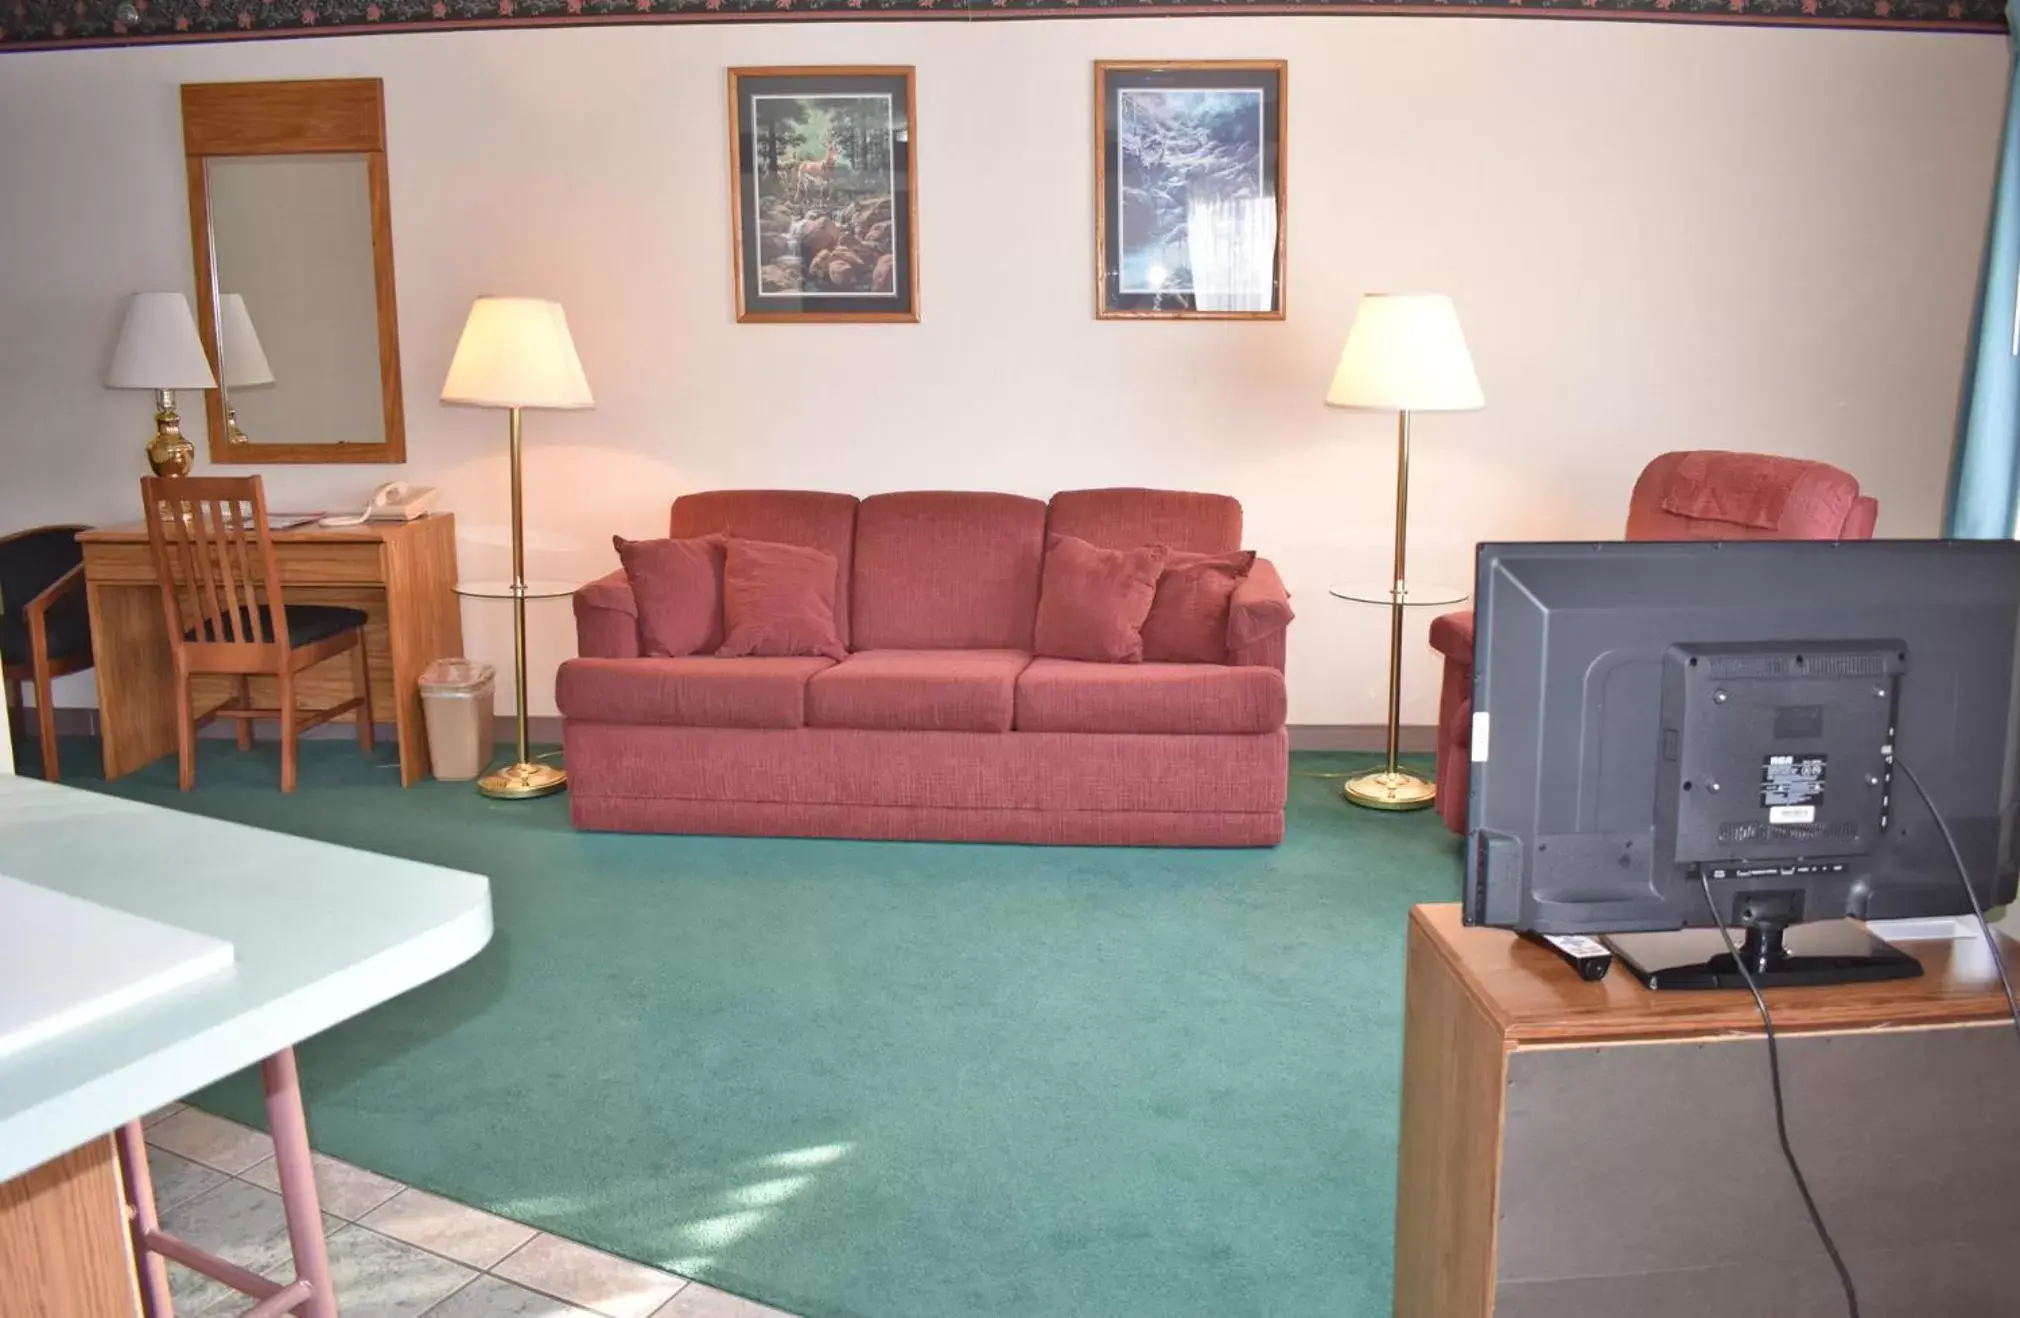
x: 214, y: 559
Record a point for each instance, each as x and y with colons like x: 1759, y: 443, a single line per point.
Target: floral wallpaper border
x: 46, y: 24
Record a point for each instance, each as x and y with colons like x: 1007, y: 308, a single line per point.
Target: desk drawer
x: 302, y: 564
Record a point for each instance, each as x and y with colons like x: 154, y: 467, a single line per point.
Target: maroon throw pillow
x: 678, y: 587
x: 778, y: 601
x: 1188, y: 618
x: 1092, y: 601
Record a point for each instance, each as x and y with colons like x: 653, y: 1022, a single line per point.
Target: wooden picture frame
x: 824, y: 236
x: 1146, y: 255
x: 324, y: 116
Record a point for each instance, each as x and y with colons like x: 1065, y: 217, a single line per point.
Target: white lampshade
x: 158, y: 347
x: 516, y: 352
x: 1406, y: 353
x: 243, y: 361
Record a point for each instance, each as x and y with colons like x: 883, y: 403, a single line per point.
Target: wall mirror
x: 291, y: 234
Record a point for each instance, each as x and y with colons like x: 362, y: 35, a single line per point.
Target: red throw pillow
x: 1188, y: 618
x: 1092, y: 601
x: 779, y: 600
x: 678, y: 586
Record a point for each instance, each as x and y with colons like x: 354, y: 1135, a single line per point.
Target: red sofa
x: 1700, y: 495
x: 940, y: 724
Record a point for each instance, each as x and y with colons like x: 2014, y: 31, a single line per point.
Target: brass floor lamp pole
x: 524, y: 776
x: 1393, y: 787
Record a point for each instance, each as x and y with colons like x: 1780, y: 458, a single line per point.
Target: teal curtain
x: 1984, y: 502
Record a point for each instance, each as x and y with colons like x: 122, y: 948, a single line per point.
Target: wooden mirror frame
x: 302, y: 117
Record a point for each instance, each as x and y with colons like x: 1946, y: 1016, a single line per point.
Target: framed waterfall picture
x: 1189, y: 189
x: 822, y: 192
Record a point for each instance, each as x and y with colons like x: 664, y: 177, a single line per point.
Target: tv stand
x: 1777, y: 954
x: 1593, y: 1149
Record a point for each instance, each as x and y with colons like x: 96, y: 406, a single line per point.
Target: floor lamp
x: 1405, y: 353
x: 516, y: 353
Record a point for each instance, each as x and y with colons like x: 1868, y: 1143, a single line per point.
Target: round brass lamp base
x: 518, y: 782
x: 1383, y: 790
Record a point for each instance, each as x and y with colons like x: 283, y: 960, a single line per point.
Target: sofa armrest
x: 1452, y: 636
x: 606, y: 619
x: 1258, y: 618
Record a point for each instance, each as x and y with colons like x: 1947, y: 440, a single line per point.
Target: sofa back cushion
x: 947, y: 570
x: 809, y: 518
x: 1125, y: 518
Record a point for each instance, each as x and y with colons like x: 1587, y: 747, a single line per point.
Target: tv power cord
x: 1767, y: 1019
x: 1964, y: 877
x: 1781, y: 1112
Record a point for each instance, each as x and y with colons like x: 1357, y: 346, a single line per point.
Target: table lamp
x: 1405, y: 353
x: 241, y: 360
x: 516, y: 353
x: 159, y: 350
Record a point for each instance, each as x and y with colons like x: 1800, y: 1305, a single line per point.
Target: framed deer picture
x: 823, y: 194
x: 1189, y: 189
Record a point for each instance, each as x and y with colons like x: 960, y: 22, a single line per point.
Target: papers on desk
x: 66, y: 962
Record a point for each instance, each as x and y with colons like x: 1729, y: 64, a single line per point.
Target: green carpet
x: 889, y: 1080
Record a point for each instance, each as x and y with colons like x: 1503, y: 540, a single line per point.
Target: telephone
x: 395, y: 501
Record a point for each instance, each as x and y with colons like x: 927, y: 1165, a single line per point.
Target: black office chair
x: 45, y: 624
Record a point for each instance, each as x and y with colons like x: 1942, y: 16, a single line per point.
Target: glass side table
x: 502, y: 590
x: 1380, y: 592
x: 1393, y: 787
x: 522, y: 778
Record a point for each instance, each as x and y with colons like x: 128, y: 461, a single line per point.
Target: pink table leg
x: 298, y: 1182
x: 142, y: 1222
x: 311, y: 1294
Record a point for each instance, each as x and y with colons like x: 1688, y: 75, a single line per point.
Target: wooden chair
x: 221, y: 595
x: 45, y: 629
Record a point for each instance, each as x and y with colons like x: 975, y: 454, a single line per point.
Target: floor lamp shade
x: 1406, y: 353
x: 517, y: 352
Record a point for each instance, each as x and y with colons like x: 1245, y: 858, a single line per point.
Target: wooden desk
x: 1607, y: 1151
x: 402, y: 574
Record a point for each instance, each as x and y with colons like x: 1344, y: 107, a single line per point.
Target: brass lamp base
x: 519, y: 782
x: 1390, y: 789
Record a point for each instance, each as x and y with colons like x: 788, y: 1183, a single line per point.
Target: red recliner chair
x: 1706, y: 495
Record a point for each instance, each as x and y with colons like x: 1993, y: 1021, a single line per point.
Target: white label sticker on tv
x: 1479, y: 736
x: 1792, y: 814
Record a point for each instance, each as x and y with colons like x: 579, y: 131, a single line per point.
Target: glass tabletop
x: 502, y: 590
x: 1378, y: 592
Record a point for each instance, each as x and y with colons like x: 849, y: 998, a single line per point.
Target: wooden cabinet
x: 64, y: 1248
x: 1610, y: 1152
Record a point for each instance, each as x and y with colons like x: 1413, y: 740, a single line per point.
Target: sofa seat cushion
x: 1067, y: 695
x: 915, y: 690
x: 693, y: 691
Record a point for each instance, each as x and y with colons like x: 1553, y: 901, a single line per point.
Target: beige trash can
x: 459, y: 705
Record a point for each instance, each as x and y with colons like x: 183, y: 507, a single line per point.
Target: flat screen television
x: 1675, y: 736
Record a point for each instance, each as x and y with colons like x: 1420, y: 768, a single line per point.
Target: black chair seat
x: 307, y: 624
x: 69, y: 623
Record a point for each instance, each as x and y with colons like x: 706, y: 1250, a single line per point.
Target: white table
x: 323, y: 933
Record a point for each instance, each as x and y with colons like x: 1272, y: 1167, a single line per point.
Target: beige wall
x: 1658, y: 236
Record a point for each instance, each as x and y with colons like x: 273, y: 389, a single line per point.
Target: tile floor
x: 395, y: 1252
